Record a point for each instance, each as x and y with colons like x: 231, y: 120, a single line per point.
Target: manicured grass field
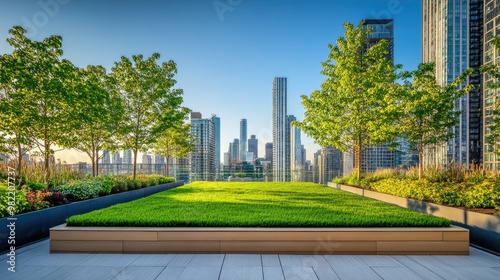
x: 235, y: 204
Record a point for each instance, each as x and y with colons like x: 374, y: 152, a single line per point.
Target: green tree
x: 355, y: 105
x: 43, y: 80
x: 427, y: 109
x: 96, y: 114
x: 176, y: 142
x: 14, y: 125
x: 151, y: 105
x: 493, y: 70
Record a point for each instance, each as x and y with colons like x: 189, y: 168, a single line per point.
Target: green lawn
x: 235, y: 204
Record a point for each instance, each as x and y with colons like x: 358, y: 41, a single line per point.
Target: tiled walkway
x: 35, y: 262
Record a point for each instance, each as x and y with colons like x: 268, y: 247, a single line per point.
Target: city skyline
x: 221, y: 58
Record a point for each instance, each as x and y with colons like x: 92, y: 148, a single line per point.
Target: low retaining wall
x: 357, y: 241
x: 484, y: 229
x: 35, y: 225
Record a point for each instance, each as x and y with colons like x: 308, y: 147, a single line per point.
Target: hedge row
x: 485, y: 194
x: 30, y: 198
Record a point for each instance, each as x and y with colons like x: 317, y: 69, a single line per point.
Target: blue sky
x: 227, y: 51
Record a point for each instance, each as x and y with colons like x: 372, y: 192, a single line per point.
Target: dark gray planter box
x: 35, y: 225
x: 484, y: 229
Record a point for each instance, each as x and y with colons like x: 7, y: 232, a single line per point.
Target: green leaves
x: 355, y: 106
x: 428, y: 109
x: 151, y: 105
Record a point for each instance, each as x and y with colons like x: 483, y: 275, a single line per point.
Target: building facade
x: 243, y: 140
x: 216, y: 121
x: 279, y: 129
x: 330, y: 161
x: 491, y: 96
x: 451, y: 37
x: 269, y: 152
x: 253, y: 146
x: 202, y: 159
x: 296, y: 154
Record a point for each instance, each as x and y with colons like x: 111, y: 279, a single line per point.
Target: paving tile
x: 84, y: 273
x: 240, y: 260
x: 299, y: 273
x: 143, y: 273
x: 397, y: 273
x: 416, y: 267
x: 325, y: 273
x: 241, y: 273
x: 181, y: 260
x: 303, y: 261
x: 273, y: 273
x: 207, y: 260
x: 200, y: 273
x: 344, y: 261
x: 107, y: 260
x: 26, y: 272
x: 171, y: 273
x: 153, y: 260
x: 465, y: 273
x: 271, y: 260
x: 356, y: 272
x: 373, y: 261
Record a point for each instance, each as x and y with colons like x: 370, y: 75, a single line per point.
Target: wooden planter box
x: 484, y: 229
x: 357, y: 241
x: 35, y: 225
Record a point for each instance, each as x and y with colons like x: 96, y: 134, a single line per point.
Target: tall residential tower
x: 279, y: 129
x: 451, y: 37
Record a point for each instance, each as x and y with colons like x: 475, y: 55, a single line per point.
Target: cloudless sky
x: 227, y: 52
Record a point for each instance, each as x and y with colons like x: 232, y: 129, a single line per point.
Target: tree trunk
x: 19, y: 162
x: 97, y: 162
x: 166, y: 166
x: 420, y: 165
x: 135, y: 163
x: 46, y: 166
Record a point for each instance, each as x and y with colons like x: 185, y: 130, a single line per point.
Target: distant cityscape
x: 454, y: 37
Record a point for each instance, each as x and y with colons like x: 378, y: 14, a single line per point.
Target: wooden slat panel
x: 86, y: 246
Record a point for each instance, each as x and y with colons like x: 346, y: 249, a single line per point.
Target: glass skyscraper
x: 216, y: 121
x: 243, y: 140
x: 279, y: 129
x: 491, y: 96
x: 451, y: 38
x: 202, y: 159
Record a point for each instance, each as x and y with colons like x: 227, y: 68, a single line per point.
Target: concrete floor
x: 35, y: 262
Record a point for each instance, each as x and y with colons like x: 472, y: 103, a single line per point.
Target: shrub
x: 19, y: 206
x: 56, y: 198
x: 35, y: 186
x: 35, y: 200
x: 80, y: 190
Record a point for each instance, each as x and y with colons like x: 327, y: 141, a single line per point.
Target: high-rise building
x: 243, y: 140
x: 288, y: 147
x: 317, y: 157
x: 216, y: 121
x: 491, y: 96
x: 117, y: 158
x: 375, y: 157
x: 451, y: 37
x: 147, y: 159
x: 106, y: 157
x: 296, y: 154
x: 127, y: 156
x: 202, y: 159
x: 226, y: 158
x: 159, y: 159
x: 234, y: 151
x: 253, y: 146
x: 330, y: 162
x: 269, y: 152
x: 279, y: 129
x: 381, y: 29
